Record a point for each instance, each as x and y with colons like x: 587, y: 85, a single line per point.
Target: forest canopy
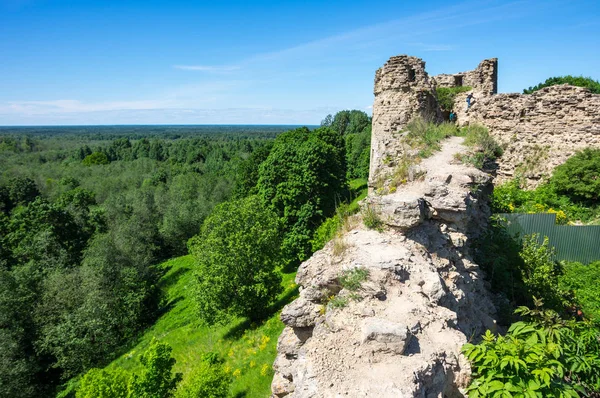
x: 87, y: 214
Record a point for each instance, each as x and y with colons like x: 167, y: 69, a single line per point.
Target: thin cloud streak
x: 207, y: 68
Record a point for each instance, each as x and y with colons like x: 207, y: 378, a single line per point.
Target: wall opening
x: 412, y: 76
x: 458, y: 81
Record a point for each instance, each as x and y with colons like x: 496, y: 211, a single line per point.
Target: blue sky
x: 264, y: 62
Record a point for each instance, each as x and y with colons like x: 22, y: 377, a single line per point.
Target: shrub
x: 511, y: 198
x: 237, y: 253
x: 579, y: 177
x: 446, y: 96
x: 99, y: 383
x: 583, y: 281
x: 579, y: 81
x: 541, y: 271
x: 208, y: 380
x: 156, y: 379
x: 541, y: 356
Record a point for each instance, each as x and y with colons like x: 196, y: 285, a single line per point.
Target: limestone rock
x: 300, y: 313
x: 394, y: 336
x: 403, y: 211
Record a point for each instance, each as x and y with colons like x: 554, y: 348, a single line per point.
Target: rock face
x: 400, y: 333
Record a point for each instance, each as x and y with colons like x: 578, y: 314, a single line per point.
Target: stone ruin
x: 537, y: 131
x: 400, y: 333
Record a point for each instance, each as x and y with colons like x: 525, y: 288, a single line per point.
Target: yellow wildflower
x: 264, y: 370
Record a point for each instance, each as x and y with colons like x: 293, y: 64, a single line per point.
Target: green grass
x: 248, y: 349
x: 426, y: 136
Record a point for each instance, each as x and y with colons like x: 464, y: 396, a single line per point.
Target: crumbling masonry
x: 538, y: 131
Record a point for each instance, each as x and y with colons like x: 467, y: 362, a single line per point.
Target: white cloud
x: 75, y: 106
x: 208, y: 68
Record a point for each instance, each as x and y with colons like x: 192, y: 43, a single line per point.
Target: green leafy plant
x: 540, y: 356
x: 208, y: 380
x: 100, y: 383
x: 540, y: 271
x: 446, y: 96
x: 582, y: 281
x: 351, y: 279
x: 156, y: 380
x: 579, y: 177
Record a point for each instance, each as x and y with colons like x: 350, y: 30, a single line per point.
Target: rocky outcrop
x: 400, y: 333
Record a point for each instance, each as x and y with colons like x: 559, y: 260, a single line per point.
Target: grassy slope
x: 248, y: 349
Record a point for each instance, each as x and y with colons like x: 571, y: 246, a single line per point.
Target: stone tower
x: 402, y: 91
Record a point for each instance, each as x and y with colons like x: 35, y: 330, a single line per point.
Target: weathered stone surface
x: 402, y: 91
x: 419, y: 278
x: 394, y: 336
x: 484, y: 79
x: 300, y: 313
x: 539, y: 131
x: 404, y: 210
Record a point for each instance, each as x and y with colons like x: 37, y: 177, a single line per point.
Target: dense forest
x: 88, y: 213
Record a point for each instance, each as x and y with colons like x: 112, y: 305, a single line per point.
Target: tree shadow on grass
x: 238, y: 330
x: 169, y: 280
x: 241, y: 394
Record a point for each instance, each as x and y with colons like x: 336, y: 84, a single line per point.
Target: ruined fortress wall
x: 484, y: 79
x: 402, y: 91
x: 539, y: 131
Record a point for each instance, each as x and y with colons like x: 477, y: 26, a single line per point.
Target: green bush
x: 582, y: 281
x: 542, y: 356
x: 100, y: 383
x: 541, y: 271
x: 237, y: 254
x: 579, y: 81
x: 446, y: 96
x: 156, y: 379
x: 208, y: 380
x: 579, y: 177
x: 510, y: 197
